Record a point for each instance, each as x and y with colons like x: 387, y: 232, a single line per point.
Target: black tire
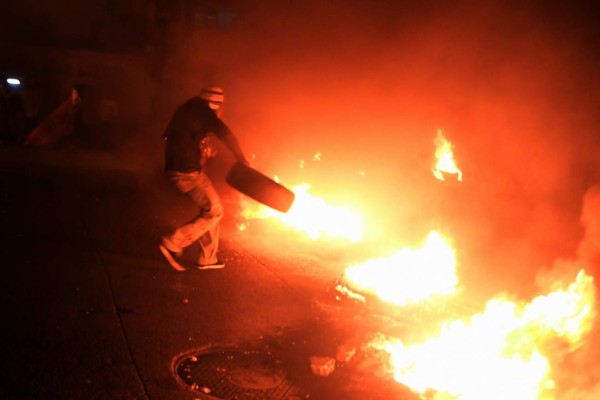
x: 260, y: 187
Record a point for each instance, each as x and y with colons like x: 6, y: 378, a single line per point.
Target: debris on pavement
x: 345, y: 353
x: 322, y: 366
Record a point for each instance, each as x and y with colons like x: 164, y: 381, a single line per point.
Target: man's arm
x: 222, y: 131
x: 232, y: 144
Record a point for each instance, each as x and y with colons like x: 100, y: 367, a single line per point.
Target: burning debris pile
x: 408, y: 276
x: 500, y: 353
x: 507, y: 349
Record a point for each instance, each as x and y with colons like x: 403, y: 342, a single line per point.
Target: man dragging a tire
x: 188, y: 129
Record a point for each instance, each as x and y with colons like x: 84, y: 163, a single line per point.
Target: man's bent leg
x: 209, y: 246
x: 209, y: 241
x: 202, y: 192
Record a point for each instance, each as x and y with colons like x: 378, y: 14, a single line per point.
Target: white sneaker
x: 217, y: 265
x: 170, y: 256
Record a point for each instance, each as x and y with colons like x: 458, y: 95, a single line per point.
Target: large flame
x: 444, y: 156
x: 408, y: 275
x: 312, y: 215
x: 506, y: 352
x: 499, y: 353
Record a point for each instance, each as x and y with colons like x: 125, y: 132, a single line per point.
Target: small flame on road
x: 408, y: 275
x: 444, y: 156
x: 497, y: 354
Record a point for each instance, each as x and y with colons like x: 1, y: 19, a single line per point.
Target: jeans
x: 204, y: 227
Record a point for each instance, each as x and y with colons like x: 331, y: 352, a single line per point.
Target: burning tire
x: 261, y: 188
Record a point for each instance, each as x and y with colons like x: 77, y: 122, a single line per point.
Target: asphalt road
x: 92, y: 311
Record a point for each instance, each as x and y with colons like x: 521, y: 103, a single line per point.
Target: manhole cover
x: 237, y: 374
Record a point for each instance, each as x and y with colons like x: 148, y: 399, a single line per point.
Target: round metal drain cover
x: 237, y: 374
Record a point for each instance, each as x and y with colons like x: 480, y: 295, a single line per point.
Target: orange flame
x: 312, y: 215
x: 497, y: 354
x: 409, y: 275
x: 444, y: 156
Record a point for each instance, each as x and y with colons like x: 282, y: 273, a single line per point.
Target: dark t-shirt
x: 192, y: 122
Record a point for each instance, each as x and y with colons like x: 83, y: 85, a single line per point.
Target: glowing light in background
x: 408, y: 275
x: 444, y: 156
x: 497, y: 354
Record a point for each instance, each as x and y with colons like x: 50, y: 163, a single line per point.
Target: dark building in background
x: 115, y: 49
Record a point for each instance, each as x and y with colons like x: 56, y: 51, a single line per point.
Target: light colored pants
x: 203, y: 228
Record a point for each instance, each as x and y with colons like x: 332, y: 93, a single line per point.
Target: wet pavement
x: 92, y: 311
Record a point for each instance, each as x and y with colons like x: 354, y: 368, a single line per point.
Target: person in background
x: 31, y: 102
x: 185, y: 154
x: 59, y: 126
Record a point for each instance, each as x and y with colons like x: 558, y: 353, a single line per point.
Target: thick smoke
x: 366, y: 85
x: 579, y: 375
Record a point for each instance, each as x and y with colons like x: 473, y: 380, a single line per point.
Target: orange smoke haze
x: 367, y: 85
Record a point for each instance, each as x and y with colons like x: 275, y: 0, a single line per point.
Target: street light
x: 13, y: 81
